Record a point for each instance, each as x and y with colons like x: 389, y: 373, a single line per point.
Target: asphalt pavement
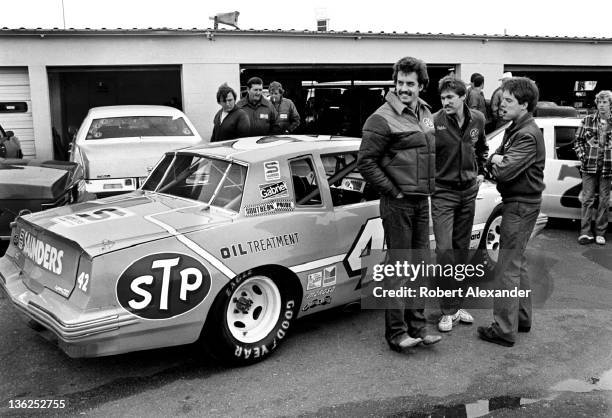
x: 337, y: 363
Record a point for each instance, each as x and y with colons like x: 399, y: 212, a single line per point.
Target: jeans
x: 406, y: 227
x: 591, y: 184
x: 452, y: 212
x: 518, y: 220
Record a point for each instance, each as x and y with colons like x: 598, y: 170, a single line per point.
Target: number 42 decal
x: 83, y: 282
x: 370, y: 236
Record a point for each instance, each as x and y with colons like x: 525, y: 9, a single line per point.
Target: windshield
x: 135, y: 126
x: 209, y: 180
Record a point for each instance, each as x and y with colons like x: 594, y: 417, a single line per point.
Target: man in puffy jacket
x: 593, y: 147
x: 261, y: 113
x: 397, y: 158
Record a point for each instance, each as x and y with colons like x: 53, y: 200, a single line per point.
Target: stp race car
x: 228, y: 243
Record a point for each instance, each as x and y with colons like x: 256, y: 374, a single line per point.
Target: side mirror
x: 10, y: 134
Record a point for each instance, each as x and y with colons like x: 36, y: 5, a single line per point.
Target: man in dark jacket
x: 518, y: 166
x: 397, y: 157
x: 475, y: 97
x: 288, y: 116
x: 261, y: 113
x: 229, y: 122
x: 461, y: 153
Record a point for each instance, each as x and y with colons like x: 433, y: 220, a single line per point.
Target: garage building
x: 50, y: 78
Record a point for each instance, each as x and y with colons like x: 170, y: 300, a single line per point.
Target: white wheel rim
x: 254, y: 309
x: 493, y: 237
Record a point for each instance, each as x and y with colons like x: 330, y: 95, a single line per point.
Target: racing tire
x: 250, y: 318
x: 489, y: 244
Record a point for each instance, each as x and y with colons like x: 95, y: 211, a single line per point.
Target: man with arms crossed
x: 461, y: 153
x: 395, y: 137
x: 518, y: 166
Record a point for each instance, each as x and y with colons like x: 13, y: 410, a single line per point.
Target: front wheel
x: 491, y: 239
x: 250, y: 318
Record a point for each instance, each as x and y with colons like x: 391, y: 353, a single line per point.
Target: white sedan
x: 560, y: 198
x: 119, y: 145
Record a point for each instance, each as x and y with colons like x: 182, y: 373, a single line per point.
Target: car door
x: 357, y: 220
x: 561, y: 173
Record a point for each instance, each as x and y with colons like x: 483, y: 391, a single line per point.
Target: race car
x: 227, y: 243
x: 561, y: 197
x: 118, y: 145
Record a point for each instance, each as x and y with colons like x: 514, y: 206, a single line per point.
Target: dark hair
x: 223, y: 91
x: 254, y: 80
x: 453, y: 84
x: 524, y: 89
x: 275, y: 85
x: 477, y: 79
x: 411, y: 65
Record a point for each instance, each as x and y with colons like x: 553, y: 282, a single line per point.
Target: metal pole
x: 63, y: 15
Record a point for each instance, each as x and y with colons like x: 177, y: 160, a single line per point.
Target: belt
x: 456, y: 185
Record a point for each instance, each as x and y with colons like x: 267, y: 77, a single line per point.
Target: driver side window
x: 564, y: 142
x: 346, y: 184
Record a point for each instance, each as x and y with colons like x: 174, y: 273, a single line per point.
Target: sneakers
x: 404, y: 342
x: 447, y: 321
x: 464, y: 316
x: 586, y: 239
x: 600, y: 240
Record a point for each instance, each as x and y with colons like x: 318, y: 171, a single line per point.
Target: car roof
x: 133, y: 110
x: 266, y: 148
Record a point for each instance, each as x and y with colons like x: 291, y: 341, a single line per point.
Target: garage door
x: 16, y: 107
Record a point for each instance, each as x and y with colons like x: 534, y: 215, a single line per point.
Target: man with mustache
x: 461, y: 153
x: 397, y: 157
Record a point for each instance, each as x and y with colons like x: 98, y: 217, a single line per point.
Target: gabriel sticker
x: 272, y: 190
x: 162, y: 286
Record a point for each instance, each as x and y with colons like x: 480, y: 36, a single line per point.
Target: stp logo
x: 162, y: 286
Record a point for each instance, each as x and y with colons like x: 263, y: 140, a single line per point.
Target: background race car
x: 561, y: 197
x: 227, y: 243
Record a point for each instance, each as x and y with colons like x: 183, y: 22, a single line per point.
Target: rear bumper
x: 89, y: 332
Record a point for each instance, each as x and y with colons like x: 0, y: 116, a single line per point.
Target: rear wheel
x: 250, y: 318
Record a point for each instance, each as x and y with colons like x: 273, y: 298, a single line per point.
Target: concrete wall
x: 208, y: 62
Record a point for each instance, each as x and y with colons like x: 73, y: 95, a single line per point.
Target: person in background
x: 401, y: 132
x: 288, y: 116
x: 496, y: 99
x: 593, y: 147
x: 9, y: 145
x: 261, y: 113
x: 230, y: 122
x: 518, y: 167
x: 475, y: 97
x: 461, y: 154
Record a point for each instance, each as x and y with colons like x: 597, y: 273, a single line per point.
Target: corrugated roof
x: 283, y: 32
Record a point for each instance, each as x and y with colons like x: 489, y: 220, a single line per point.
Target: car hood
x: 128, y: 157
x: 105, y: 225
x: 35, y: 179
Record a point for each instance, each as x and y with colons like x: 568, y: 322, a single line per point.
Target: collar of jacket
x: 466, y: 113
x: 399, y: 107
x: 519, y: 123
x: 262, y: 102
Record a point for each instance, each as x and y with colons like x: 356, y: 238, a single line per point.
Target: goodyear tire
x: 250, y: 318
x: 489, y: 243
